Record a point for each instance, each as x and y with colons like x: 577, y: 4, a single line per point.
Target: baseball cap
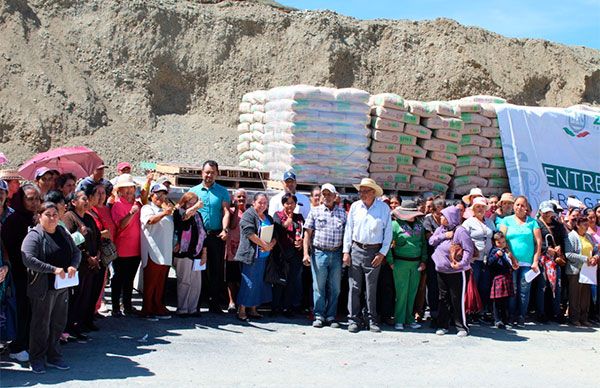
x: 330, y: 187
x: 159, y: 187
x: 101, y: 165
x: 289, y: 175
x: 43, y: 170
x: 546, y: 206
x: 123, y: 165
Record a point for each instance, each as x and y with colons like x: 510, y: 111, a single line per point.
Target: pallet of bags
x: 320, y: 133
x: 251, y: 130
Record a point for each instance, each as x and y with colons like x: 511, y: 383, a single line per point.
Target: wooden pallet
x: 307, y: 187
x: 189, y: 180
x: 224, y: 172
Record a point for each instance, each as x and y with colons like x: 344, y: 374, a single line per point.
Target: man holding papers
x: 49, y: 252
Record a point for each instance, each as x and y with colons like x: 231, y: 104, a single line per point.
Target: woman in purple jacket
x: 452, y: 257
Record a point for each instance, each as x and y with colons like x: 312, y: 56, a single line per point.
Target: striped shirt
x: 328, y: 226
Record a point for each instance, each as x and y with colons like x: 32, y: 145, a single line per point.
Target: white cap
x: 330, y: 187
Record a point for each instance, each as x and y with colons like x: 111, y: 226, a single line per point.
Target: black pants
x: 500, y: 310
x: 215, y: 269
x: 433, y: 294
x: 23, y: 314
x: 452, y: 288
x: 82, y: 302
x: 48, y: 320
x: 386, y: 292
x: 122, y: 282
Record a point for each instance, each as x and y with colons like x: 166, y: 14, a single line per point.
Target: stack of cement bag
x: 394, y: 149
x: 320, y: 133
x: 251, y: 130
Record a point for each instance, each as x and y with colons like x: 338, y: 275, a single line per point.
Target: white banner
x: 551, y: 153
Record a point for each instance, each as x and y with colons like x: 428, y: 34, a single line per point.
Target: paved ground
x: 220, y: 351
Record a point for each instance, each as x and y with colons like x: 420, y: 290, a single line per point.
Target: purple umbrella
x: 80, y: 161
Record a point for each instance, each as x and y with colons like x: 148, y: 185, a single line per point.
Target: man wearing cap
x: 122, y: 168
x: 96, y: 178
x: 45, y: 179
x: 324, y: 237
x: 215, y: 214
x: 367, y: 239
x: 289, y: 186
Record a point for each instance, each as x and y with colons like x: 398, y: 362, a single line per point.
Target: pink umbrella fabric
x: 80, y: 161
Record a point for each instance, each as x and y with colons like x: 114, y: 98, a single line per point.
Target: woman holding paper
x: 253, y: 253
x: 189, y: 253
x: 51, y: 255
x: 525, y: 243
x: 581, y: 253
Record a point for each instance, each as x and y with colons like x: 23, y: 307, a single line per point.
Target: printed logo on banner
x: 577, y: 123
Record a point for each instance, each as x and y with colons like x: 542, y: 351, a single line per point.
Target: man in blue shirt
x: 215, y: 214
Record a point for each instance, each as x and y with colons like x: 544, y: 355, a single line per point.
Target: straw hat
x: 475, y: 192
x: 9, y: 175
x: 506, y: 197
x: 124, y: 180
x: 370, y: 183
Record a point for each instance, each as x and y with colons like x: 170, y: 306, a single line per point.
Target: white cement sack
x: 472, y: 161
x: 469, y: 150
x: 466, y: 170
x: 476, y: 119
x: 250, y: 155
x: 244, y: 107
x: 316, y: 127
x: 388, y: 100
x: 256, y: 97
x: 390, y: 177
x: 352, y: 95
x: 348, y: 118
x: 437, y: 176
x: 433, y: 165
x: 247, y: 118
x: 418, y: 131
x: 419, y: 108
x: 321, y: 105
x: 380, y: 167
x: 257, y: 146
x: 475, y: 140
x: 490, y: 132
x: 257, y: 108
x: 443, y: 108
x: 385, y: 124
x: 384, y: 147
x: 259, y: 117
x: 439, y: 122
x: 491, y: 152
x: 485, y: 99
x: 410, y: 170
x: 471, y: 129
x: 413, y: 150
x: 243, y: 147
x: 300, y: 92
x: 245, y: 137
x: 243, y: 127
x: 440, y: 145
x: 447, y: 134
x: 260, y: 127
x: 394, y: 114
x: 493, y: 173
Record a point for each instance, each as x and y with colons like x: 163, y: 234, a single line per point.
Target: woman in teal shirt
x: 407, y: 258
x: 524, y: 239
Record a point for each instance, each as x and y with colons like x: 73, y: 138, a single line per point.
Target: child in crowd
x: 501, y: 265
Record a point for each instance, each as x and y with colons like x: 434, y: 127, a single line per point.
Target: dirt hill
x: 161, y: 79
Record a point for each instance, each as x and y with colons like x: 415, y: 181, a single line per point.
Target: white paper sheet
x: 66, y: 282
x: 530, y: 275
x: 588, y: 274
x: 266, y: 233
x: 197, y: 266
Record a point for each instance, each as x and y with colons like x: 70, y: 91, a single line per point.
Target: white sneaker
x: 441, y: 331
x: 22, y: 356
x: 399, y: 326
x: 462, y: 333
x: 415, y: 325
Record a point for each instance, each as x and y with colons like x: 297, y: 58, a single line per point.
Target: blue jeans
x: 481, y: 275
x: 326, y: 270
x: 518, y: 304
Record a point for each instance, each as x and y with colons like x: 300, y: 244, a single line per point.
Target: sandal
x: 243, y: 318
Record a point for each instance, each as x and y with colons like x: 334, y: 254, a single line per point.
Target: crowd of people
x: 377, y: 260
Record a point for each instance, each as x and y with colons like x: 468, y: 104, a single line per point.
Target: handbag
x: 473, y: 302
x: 108, y: 251
x: 276, y: 271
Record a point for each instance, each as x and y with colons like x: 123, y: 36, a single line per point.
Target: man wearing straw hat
x: 367, y: 239
x: 13, y: 179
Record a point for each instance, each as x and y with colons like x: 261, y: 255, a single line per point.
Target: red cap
x: 123, y: 165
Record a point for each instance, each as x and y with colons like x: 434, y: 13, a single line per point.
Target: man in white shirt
x: 289, y: 186
x: 367, y: 239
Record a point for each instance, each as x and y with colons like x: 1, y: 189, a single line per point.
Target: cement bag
x: 388, y: 100
x: 497, y: 163
x: 256, y: 97
x: 491, y: 152
x: 244, y: 107
x: 406, y: 187
x: 419, y: 108
x: 485, y: 99
x: 489, y: 191
x: 471, y: 129
x: 256, y: 146
x: 437, y: 176
x: 443, y: 157
x: 469, y: 150
x: 472, y: 161
x: 259, y: 117
x: 440, y: 145
x: 384, y: 147
x: 474, y: 181
x: 390, y: 158
x: 394, y: 114
x: 352, y: 95
x: 488, y: 110
x: 312, y: 127
x: 418, y: 131
x: 476, y: 119
x: 439, y: 122
x: 462, y: 190
x: 385, y: 124
x: 260, y: 127
x: 257, y: 136
x: 380, y: 167
x: 247, y: 118
x: 300, y: 92
x: 410, y: 170
x: 475, y: 140
x: 386, y: 136
x: 257, y: 108
x: 498, y: 182
x: 496, y: 142
x: 252, y: 164
x: 388, y: 185
x: 447, y: 134
x: 243, y: 147
x: 243, y: 127
x: 245, y: 137
x: 347, y: 118
x: 490, y: 131
x: 466, y: 170
x: 390, y: 177
x: 434, y: 165
x: 467, y: 106
x: 428, y: 184
x: 413, y: 150
x: 444, y: 109
x: 494, y: 123
x: 327, y: 106
x: 493, y: 173
x: 250, y: 155
x: 347, y: 139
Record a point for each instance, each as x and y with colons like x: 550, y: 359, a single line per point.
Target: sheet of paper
x: 66, y: 282
x: 266, y: 233
x: 588, y: 274
x: 197, y: 266
x: 530, y: 275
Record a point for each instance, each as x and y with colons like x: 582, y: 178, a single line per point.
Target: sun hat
x: 506, y: 197
x: 124, y: 180
x: 480, y: 201
x: 330, y: 187
x: 475, y: 191
x: 370, y: 183
x: 9, y: 175
x: 123, y: 165
x: 407, y: 210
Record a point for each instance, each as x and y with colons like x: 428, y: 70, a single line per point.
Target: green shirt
x: 213, y: 198
x: 408, y: 241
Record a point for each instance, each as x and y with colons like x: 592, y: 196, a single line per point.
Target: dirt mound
x: 161, y: 79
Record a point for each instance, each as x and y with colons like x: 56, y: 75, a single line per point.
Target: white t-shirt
x: 157, y: 239
x: 303, y: 206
